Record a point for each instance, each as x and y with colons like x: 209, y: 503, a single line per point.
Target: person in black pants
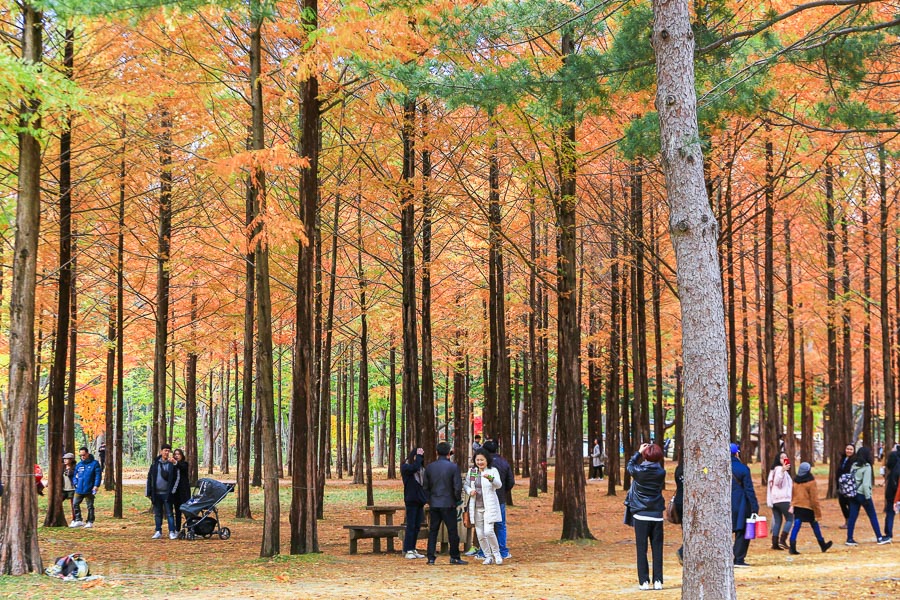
x: 743, y: 504
x: 644, y: 511
x: 415, y: 499
x: 444, y: 488
x: 844, y: 467
x: 182, y: 493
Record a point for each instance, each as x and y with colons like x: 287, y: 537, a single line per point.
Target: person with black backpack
x: 844, y: 468
x: 863, y: 477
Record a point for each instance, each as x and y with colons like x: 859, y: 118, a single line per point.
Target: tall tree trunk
x: 109, y: 385
x: 868, y: 425
x: 807, y: 450
x: 639, y: 315
x: 538, y: 462
x: 428, y: 394
x: 190, y: 398
x: 363, y: 440
x: 392, y: 398
x: 708, y: 571
x: 120, y: 338
x: 304, y: 529
x: 834, y: 410
x: 846, y: 389
x: 760, y: 354
x: 416, y: 425
x: 271, y: 543
x: 570, y: 405
x: 612, y: 380
x: 461, y: 445
x: 659, y: 410
x: 746, y: 446
x: 731, y: 302
x: 56, y: 516
x: 887, y: 374
x: 773, y: 413
x: 163, y: 246
x: 69, y: 422
x: 19, y: 552
x: 226, y: 417
x: 790, y: 438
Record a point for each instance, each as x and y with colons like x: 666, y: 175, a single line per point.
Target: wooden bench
x: 374, y: 533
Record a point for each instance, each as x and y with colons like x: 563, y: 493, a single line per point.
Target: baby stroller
x: 201, y: 515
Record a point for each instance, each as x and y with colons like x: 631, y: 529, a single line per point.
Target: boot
x: 783, y: 540
x: 775, y: 545
x: 793, y: 549
x: 824, y: 545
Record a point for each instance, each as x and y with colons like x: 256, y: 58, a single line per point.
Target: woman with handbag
x: 481, y: 487
x: 644, y: 511
x: 414, y: 498
x: 778, y: 498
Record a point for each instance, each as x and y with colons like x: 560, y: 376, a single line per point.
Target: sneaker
x: 851, y: 543
x: 457, y: 561
x: 418, y: 554
x: 411, y: 555
x: 741, y: 565
x: 480, y: 555
x: 173, y: 535
x: 505, y: 556
x: 157, y: 535
x: 76, y: 524
x: 488, y: 561
x: 657, y: 585
x: 430, y: 561
x: 88, y: 525
x: 471, y: 551
x: 884, y: 540
x: 644, y: 586
x: 498, y: 560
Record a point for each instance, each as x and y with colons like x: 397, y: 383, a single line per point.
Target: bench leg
x: 376, y: 545
x: 353, y: 547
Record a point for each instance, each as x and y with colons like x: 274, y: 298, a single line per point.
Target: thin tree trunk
x: 56, y: 516
x: 790, y: 438
x: 868, y: 425
x: 109, y: 384
x: 612, y: 380
x: 190, y: 399
x: 120, y: 338
x: 427, y: 423
x: 69, y: 424
x: 834, y: 410
x: 887, y: 374
x: 392, y: 397
x: 773, y: 412
x: 363, y: 441
x: 163, y: 245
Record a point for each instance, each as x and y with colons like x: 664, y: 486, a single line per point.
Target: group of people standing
x: 440, y: 485
x: 81, y: 482
x: 168, y: 487
x: 794, y: 500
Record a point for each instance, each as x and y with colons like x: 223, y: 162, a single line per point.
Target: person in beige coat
x: 805, y: 507
x: 481, y: 485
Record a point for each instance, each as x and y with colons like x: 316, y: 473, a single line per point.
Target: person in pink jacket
x: 778, y: 498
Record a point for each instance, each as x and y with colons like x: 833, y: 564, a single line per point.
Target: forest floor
x: 134, y: 566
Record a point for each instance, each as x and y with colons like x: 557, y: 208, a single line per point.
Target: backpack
x: 847, y: 484
x: 69, y: 567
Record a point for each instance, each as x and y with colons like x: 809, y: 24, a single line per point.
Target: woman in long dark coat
x: 182, y: 493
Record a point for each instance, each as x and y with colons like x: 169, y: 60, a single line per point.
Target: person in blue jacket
x: 87, y: 481
x: 414, y: 498
x: 743, y: 504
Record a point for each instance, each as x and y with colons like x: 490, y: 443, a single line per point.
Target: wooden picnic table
x: 384, y: 511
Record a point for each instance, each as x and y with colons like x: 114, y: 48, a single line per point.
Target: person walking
x: 843, y: 468
x: 413, y: 474
x: 743, y: 504
x: 68, y: 484
x: 644, y: 506
x: 88, y: 475
x: 182, y: 492
x: 597, y: 459
x: 482, y: 485
x: 508, y: 480
x: 891, y: 482
x: 805, y: 507
x: 162, y: 480
x: 778, y: 498
x: 862, y: 474
x: 444, y: 488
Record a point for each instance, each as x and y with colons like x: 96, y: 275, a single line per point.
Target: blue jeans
x: 815, y: 527
x: 160, y: 504
x: 414, y: 515
x: 889, y: 523
x: 500, y: 530
x: 860, y: 501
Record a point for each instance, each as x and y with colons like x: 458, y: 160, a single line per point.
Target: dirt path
x: 542, y: 567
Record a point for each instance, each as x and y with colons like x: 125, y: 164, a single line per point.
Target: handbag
x: 672, y: 514
x: 467, y: 521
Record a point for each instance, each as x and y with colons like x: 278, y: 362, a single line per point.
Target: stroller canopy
x: 209, y: 493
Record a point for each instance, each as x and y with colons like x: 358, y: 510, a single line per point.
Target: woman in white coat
x: 481, y: 485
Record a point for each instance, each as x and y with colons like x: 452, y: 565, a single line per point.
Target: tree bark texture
x: 19, y: 552
x: 708, y: 568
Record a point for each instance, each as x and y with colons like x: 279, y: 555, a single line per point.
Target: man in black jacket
x: 444, y: 487
x: 508, y: 480
x: 162, y: 481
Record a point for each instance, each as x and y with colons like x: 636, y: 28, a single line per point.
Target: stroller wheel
x: 190, y: 535
x: 224, y: 533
